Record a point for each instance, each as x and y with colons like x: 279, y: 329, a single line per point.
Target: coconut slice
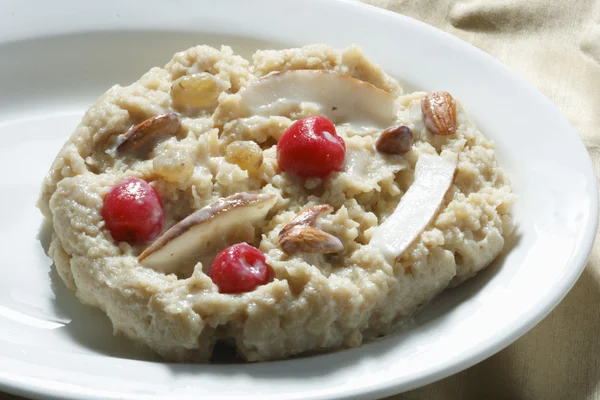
x: 342, y: 99
x: 417, y: 208
x: 186, y: 240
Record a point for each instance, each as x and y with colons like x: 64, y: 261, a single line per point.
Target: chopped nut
x: 198, y: 90
x: 307, y: 239
x: 439, y: 113
x: 307, y: 217
x: 246, y: 154
x: 396, y: 139
x: 301, y: 235
x: 142, y: 136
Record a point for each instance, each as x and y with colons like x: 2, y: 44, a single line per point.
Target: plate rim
x: 580, y: 257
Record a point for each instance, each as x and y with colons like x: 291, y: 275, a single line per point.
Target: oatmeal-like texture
x: 316, y: 302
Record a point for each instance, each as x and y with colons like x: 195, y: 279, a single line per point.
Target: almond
x: 301, y: 235
x: 145, y: 134
x: 439, y: 113
x: 396, y: 139
x: 307, y: 239
x: 307, y: 217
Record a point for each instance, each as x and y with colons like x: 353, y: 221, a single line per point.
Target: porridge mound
x: 203, y: 133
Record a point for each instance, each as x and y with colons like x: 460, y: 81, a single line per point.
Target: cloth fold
x: 556, y: 46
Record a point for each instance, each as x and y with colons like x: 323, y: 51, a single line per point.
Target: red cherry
x: 311, y: 147
x: 240, y: 268
x: 133, y: 212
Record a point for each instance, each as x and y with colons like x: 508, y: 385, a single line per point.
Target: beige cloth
x: 555, y: 44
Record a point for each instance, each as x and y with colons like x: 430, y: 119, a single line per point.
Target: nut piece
x: 144, y: 135
x: 396, y: 139
x: 198, y: 90
x: 301, y: 235
x: 246, y: 154
x: 307, y: 239
x: 439, y: 113
x: 307, y: 217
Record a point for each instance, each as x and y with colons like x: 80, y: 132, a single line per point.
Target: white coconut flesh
x: 186, y: 240
x: 417, y: 208
x: 342, y: 99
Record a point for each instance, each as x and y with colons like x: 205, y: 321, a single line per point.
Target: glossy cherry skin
x: 311, y: 148
x: 240, y: 268
x: 133, y: 212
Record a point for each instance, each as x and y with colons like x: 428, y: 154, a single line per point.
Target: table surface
x: 556, y: 46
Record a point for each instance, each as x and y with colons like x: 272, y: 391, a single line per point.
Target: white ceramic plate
x: 57, y: 57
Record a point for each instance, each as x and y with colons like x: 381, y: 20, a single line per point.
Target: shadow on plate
x: 91, y: 328
x: 452, y: 298
x: 45, y: 234
x: 88, y: 326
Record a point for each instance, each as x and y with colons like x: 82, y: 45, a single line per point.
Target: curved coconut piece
x: 417, y: 208
x: 185, y: 240
x: 342, y: 99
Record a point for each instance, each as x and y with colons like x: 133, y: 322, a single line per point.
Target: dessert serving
x: 298, y: 202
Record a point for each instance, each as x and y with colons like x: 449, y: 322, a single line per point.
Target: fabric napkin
x: 555, y: 45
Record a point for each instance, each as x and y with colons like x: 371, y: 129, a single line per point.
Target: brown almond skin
x: 146, y: 133
x: 307, y: 217
x: 439, y: 113
x: 301, y: 236
x: 307, y: 239
x: 396, y: 139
